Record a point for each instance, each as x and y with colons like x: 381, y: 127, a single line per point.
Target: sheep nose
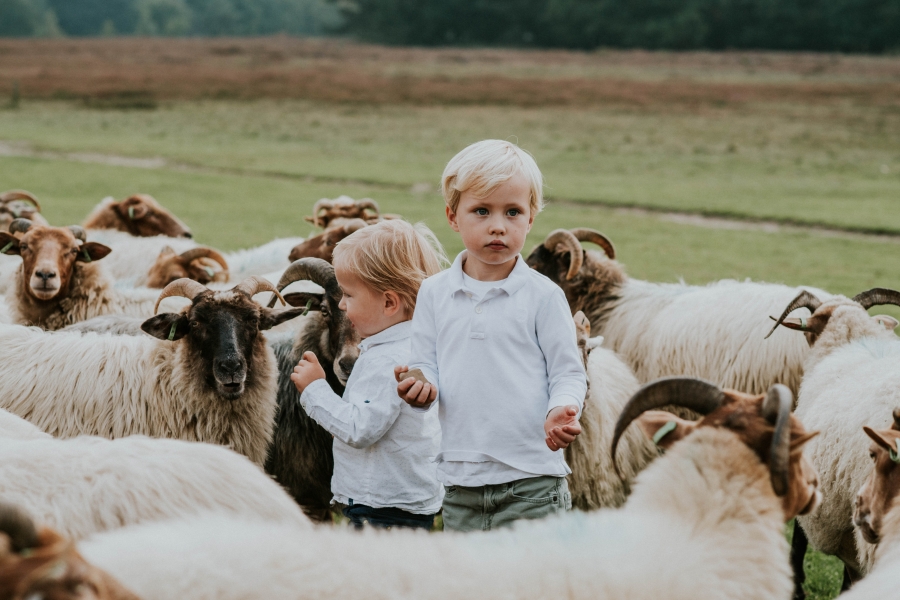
x: 346, y: 364
x: 230, y: 366
x: 45, y: 275
x: 187, y: 234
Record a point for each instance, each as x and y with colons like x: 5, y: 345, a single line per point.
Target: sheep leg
x: 799, y: 544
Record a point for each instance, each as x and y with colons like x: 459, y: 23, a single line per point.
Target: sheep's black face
x: 551, y: 264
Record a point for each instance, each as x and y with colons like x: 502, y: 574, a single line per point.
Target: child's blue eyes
x: 513, y: 212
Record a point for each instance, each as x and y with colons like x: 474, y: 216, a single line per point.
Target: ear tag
x: 895, y: 456
x: 209, y: 272
x: 131, y: 213
x: 308, y: 306
x: 664, y: 431
x: 7, y: 247
x: 172, y: 331
x: 802, y: 322
x: 87, y: 257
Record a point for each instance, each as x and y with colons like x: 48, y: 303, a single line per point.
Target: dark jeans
x: 360, y: 514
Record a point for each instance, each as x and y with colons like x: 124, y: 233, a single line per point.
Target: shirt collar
x: 393, y: 333
x: 517, y: 278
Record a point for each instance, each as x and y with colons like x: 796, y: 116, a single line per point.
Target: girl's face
x: 370, y: 311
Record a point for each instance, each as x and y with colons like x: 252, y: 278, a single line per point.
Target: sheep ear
x: 134, y: 208
x: 9, y: 244
x: 798, y: 443
x: 876, y: 437
x: 269, y: 317
x: 305, y: 298
x: 887, y: 321
x: 664, y: 428
x: 91, y: 251
x: 167, y: 326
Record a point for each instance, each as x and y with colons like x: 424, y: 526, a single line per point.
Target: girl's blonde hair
x: 484, y: 165
x: 392, y: 256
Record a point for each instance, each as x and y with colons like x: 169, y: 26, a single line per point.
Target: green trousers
x: 491, y: 506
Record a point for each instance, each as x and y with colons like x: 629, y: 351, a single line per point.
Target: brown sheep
x: 202, y: 264
x: 16, y: 204
x: 140, y: 215
x: 322, y: 245
x: 329, y: 213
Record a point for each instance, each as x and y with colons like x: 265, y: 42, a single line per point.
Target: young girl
x: 383, y: 448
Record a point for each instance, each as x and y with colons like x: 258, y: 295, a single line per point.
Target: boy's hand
x: 307, y: 371
x: 561, y: 427
x: 413, y: 392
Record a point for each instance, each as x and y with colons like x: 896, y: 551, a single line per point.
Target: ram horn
x: 316, y: 270
x: 877, y: 296
x: 803, y: 300
x: 368, y: 203
x: 184, y: 287
x: 78, y: 232
x: 203, y: 252
x: 694, y: 394
x: 255, y: 284
x: 19, y: 527
x: 568, y: 241
x: 20, y: 195
x: 20, y: 225
x: 583, y: 234
x: 776, y: 409
x: 323, y: 204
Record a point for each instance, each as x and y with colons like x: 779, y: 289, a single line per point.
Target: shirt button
x: 478, y: 309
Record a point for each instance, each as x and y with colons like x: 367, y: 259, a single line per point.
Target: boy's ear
x: 451, y: 219
x: 664, y: 428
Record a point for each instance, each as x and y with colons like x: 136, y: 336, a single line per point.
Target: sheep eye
x: 195, y: 324
x: 872, y: 455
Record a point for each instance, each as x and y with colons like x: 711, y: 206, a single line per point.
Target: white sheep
x: 852, y: 379
x: 86, y: 485
x: 714, y: 332
x: 210, y: 376
x: 703, y: 522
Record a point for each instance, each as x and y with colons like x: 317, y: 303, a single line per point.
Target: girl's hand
x: 307, y: 371
x: 561, y: 427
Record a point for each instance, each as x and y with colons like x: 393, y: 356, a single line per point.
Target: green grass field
x: 242, y: 173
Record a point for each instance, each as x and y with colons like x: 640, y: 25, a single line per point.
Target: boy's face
x: 493, y: 228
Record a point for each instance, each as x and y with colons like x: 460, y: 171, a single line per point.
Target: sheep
x: 328, y: 214
x: 210, y: 376
x: 322, y: 245
x: 852, y: 379
x: 593, y: 482
x: 202, y: 264
x: 37, y: 564
x: 877, y: 516
x: 139, y: 215
x: 300, y: 457
x: 86, y: 485
x: 59, y: 281
x: 714, y: 332
x: 705, y: 521
x: 17, y: 204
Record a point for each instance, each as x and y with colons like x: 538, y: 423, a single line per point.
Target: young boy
x: 496, y: 339
x: 384, y: 471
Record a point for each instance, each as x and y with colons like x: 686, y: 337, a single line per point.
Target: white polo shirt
x: 384, y: 449
x: 502, y: 359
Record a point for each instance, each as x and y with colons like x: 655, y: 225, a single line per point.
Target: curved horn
x: 803, y: 300
x: 20, y: 225
x: 184, y: 287
x: 204, y: 252
x: 877, y: 296
x: 695, y: 394
x: 78, y: 232
x: 325, y: 204
x: 583, y: 234
x: 368, y: 203
x: 316, y: 270
x: 776, y: 409
x: 255, y: 284
x: 16, y: 524
x: 570, y: 243
x: 20, y: 195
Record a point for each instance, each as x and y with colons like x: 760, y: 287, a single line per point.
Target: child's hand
x: 307, y: 371
x: 561, y: 427
x: 413, y: 392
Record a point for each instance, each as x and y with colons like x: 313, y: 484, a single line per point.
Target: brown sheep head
x: 879, y: 493
x: 19, y: 204
x: 326, y: 212
x: 202, y: 264
x: 140, y: 215
x: 764, y: 423
x: 43, y: 564
x: 49, y: 256
x: 322, y: 245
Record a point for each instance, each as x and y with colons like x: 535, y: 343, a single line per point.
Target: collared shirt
x: 384, y: 449
x: 501, y: 361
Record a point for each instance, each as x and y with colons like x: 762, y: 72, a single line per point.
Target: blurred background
x: 707, y: 138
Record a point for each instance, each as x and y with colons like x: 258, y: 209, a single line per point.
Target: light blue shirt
x: 502, y: 359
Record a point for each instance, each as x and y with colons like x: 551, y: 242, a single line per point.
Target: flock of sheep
x: 153, y: 446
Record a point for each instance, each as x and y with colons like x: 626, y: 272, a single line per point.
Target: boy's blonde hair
x: 484, y: 165
x: 392, y: 256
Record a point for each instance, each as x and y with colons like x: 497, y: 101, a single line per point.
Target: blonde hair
x: 484, y: 165
x: 392, y: 256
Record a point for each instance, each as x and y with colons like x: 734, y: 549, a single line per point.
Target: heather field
x: 699, y: 166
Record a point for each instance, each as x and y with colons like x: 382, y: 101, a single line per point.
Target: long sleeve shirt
x: 502, y: 360
x: 383, y: 448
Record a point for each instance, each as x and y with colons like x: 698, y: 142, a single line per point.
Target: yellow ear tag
x: 131, y: 213
x: 664, y: 431
x: 895, y: 456
x: 172, y: 331
x: 87, y: 257
x: 7, y: 247
x: 308, y: 306
x: 209, y: 272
